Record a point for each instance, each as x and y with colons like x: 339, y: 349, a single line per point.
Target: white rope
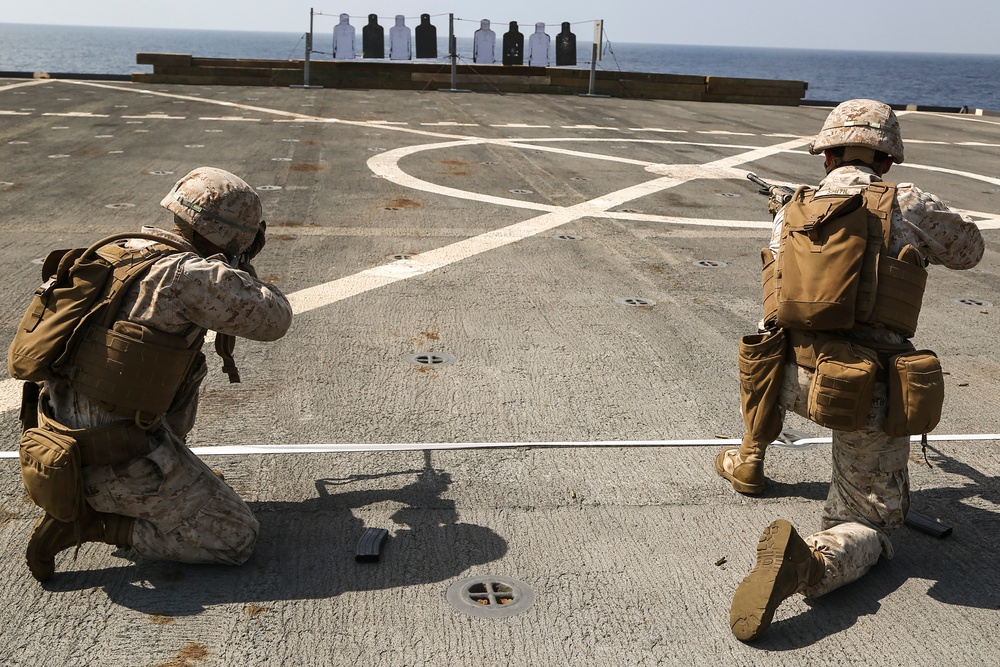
x: 244, y: 450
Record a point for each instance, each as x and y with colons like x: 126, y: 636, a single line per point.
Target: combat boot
x: 785, y: 565
x: 743, y: 467
x: 51, y: 536
x: 761, y: 359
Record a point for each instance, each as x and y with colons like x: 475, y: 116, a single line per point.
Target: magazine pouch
x: 916, y: 393
x: 840, y: 394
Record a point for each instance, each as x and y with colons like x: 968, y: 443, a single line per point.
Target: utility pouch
x: 762, y: 359
x: 916, y: 393
x: 51, y: 471
x: 840, y: 394
x: 900, y: 291
x: 819, y: 265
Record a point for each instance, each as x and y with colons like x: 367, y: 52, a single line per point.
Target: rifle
x: 782, y: 194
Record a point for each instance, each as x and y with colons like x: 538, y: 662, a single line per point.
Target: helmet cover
x: 219, y: 205
x: 866, y: 123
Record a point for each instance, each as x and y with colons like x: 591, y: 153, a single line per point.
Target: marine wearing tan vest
x: 120, y: 399
x: 843, y: 282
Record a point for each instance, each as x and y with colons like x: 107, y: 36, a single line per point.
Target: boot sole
x: 756, y: 598
x: 742, y: 487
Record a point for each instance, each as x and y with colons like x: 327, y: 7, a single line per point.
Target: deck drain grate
x: 391, y: 208
x: 567, y: 237
x: 160, y: 173
x: 727, y: 194
x: 636, y: 301
x: 490, y: 596
x: 630, y: 210
x: 710, y: 263
x: 401, y: 256
x: 976, y: 303
x: 521, y: 191
x: 268, y: 188
x: 119, y: 206
x: 431, y: 359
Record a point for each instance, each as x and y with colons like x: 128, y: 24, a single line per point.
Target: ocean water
x: 947, y: 80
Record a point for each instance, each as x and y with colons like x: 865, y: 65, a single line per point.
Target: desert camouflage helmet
x: 866, y: 123
x: 218, y: 205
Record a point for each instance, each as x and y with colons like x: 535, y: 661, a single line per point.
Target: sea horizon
x: 898, y: 77
x: 670, y: 44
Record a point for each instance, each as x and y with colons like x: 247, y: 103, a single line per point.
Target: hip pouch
x: 916, y: 393
x: 840, y: 394
x: 51, y: 471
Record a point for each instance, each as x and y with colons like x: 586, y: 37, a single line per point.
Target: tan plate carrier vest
x: 71, y: 331
x: 833, y: 269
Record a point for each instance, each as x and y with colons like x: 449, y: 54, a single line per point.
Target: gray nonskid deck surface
x: 505, y: 231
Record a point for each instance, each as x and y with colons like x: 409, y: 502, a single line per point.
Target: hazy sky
x: 889, y: 25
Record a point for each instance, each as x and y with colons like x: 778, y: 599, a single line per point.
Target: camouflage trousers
x: 183, y: 511
x: 869, y: 493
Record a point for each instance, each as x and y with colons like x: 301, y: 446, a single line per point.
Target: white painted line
x: 700, y: 222
x: 515, y: 143
x: 386, y: 165
x: 589, y: 127
x: 77, y: 114
x: 956, y: 172
x: 977, y: 143
x: 728, y: 133
x: 294, y: 116
x: 521, y: 126
x: 965, y: 118
x: 451, y: 123
x: 656, y: 129
x: 4, y: 112
x: 156, y: 116
x: 306, y: 120
x: 236, y: 119
x: 929, y: 143
x: 344, y: 448
x: 22, y: 84
x: 386, y: 122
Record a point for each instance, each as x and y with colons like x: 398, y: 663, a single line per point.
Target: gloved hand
x: 257, y: 244
x: 253, y: 250
x: 778, y: 196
